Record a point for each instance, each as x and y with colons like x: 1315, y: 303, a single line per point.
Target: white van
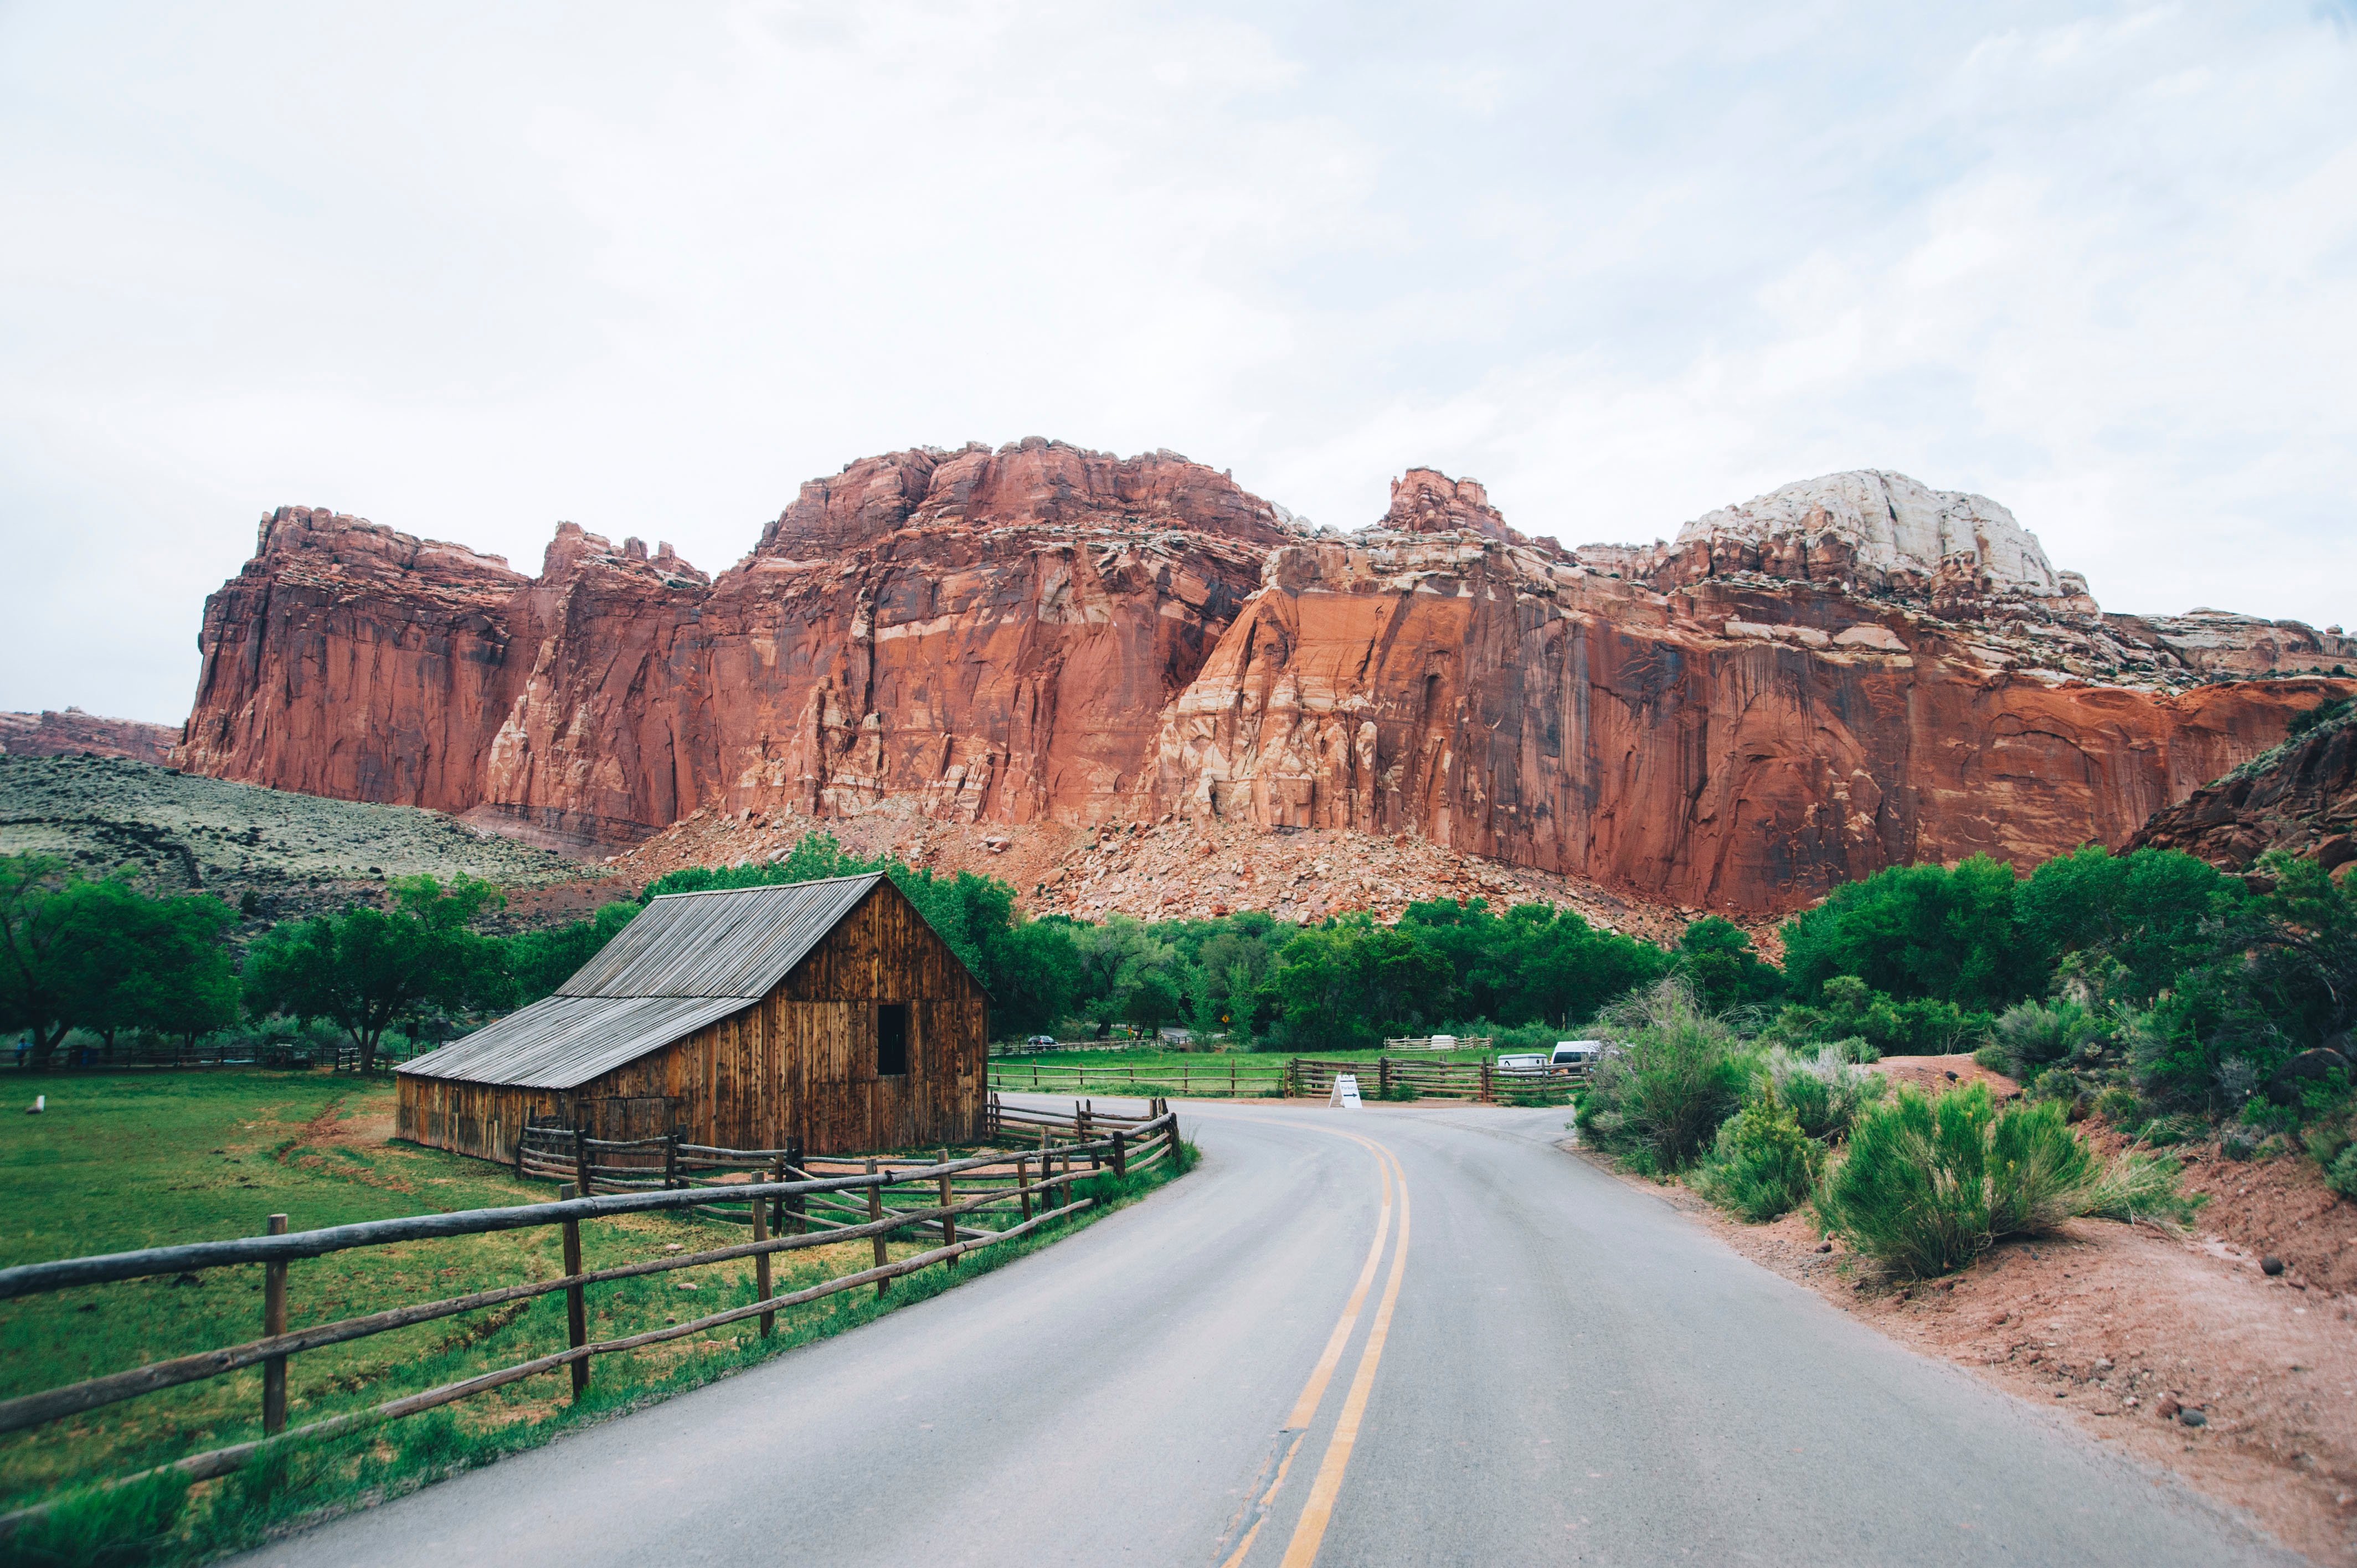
x: 1575, y: 1056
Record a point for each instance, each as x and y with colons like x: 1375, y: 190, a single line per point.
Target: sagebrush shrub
x: 1928, y: 1184
x: 1823, y: 1091
x: 1762, y: 1165
x: 2343, y: 1178
x: 1675, y: 1074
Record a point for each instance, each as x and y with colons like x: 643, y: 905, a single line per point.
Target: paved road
x: 1399, y: 1336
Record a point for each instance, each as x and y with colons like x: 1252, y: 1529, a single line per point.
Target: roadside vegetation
x: 123, y: 1161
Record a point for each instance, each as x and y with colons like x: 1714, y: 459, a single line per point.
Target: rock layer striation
x: 1848, y: 673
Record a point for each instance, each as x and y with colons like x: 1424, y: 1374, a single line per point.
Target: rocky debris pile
x: 74, y: 732
x: 2301, y: 795
x: 1167, y: 869
x: 295, y: 854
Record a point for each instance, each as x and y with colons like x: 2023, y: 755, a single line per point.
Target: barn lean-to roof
x: 684, y: 961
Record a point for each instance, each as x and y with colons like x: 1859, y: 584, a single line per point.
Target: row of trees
x: 2160, y: 956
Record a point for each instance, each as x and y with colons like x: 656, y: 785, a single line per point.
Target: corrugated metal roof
x: 740, y: 942
x: 684, y: 961
x: 563, y: 1042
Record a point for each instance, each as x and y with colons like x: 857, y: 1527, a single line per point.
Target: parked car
x: 1040, y: 1042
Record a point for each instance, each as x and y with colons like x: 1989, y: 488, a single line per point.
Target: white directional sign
x: 1346, y: 1091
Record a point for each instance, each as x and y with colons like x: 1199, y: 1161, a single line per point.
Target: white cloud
x: 469, y: 272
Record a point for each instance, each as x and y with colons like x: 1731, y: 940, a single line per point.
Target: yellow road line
x: 1305, y: 1409
x: 1309, y: 1531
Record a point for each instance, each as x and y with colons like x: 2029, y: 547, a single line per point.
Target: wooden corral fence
x: 1228, y: 1076
x: 1445, y: 1042
x: 1014, y: 1192
x: 1384, y: 1079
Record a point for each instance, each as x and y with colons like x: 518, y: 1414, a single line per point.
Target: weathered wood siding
x: 479, y: 1119
x: 797, y: 1066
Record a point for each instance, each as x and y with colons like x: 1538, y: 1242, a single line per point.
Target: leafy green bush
x: 1922, y: 1027
x: 1823, y: 1092
x: 1762, y: 1165
x: 2033, y: 1035
x: 1929, y: 1184
x: 1678, y: 1073
x: 2343, y: 1178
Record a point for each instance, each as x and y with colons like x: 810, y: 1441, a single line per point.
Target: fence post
x: 521, y: 1137
x: 876, y: 1212
x: 581, y: 1165
x: 576, y: 1305
x: 1023, y: 1184
x: 797, y: 1207
x: 949, y: 1221
x: 761, y: 1265
x: 671, y: 1160
x: 1488, y: 1094
x: 273, y: 1321
x: 1173, y: 1137
x: 1383, y: 1078
x: 1120, y: 1154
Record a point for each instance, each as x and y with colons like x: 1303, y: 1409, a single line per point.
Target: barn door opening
x: 892, y: 1040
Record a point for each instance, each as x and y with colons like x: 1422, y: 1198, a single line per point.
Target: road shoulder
x: 2111, y: 1324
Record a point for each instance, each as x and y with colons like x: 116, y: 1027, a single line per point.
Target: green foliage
x: 1762, y: 1165
x: 1823, y: 1092
x: 97, y: 954
x: 105, y: 1527
x: 2143, y: 912
x: 1532, y: 964
x: 2341, y: 1177
x: 1349, y: 984
x: 1926, y: 1185
x: 1850, y: 1010
x: 1915, y: 933
x: 540, y: 961
x: 2318, y: 716
x: 2030, y: 1037
x: 1716, y: 957
x: 366, y: 969
x: 1677, y: 1072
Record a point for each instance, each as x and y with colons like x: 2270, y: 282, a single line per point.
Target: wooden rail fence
x: 1015, y: 1191
x: 1386, y: 1078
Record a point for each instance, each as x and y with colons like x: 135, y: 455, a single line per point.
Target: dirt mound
x: 1937, y: 1075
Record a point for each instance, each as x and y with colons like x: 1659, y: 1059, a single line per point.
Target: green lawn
x: 126, y: 1161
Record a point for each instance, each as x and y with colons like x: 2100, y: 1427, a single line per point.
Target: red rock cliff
x: 1846, y: 674
x: 996, y: 632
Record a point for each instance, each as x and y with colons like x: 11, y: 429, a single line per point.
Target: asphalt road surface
x: 1392, y: 1336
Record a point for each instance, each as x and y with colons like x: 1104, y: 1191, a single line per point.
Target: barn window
x: 891, y: 1039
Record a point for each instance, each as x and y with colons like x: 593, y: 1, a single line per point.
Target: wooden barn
x: 828, y: 1015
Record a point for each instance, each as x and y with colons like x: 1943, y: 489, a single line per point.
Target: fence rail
x: 1386, y: 1078
x: 1017, y: 1190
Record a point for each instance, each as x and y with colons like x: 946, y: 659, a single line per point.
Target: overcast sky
x: 467, y: 270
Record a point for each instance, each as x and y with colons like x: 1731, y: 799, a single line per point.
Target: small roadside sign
x: 1346, y: 1091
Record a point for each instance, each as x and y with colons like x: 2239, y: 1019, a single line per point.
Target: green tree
x: 1917, y: 931
x: 1352, y: 982
x: 539, y: 961
x: 153, y: 964
x: 2145, y: 910
x: 367, y: 968
x: 35, y: 983
x: 1716, y: 957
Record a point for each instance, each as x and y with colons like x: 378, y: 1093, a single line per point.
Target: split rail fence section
x: 1387, y: 1077
x: 1013, y: 1192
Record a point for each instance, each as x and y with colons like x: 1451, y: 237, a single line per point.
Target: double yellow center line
x: 1309, y: 1529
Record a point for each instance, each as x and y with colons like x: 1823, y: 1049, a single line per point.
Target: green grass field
x: 1174, y: 1073
x: 126, y: 1161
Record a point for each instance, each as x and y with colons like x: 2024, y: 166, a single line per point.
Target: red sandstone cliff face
x: 1850, y: 673
x: 1723, y: 745
x: 996, y: 632
x: 2302, y: 797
